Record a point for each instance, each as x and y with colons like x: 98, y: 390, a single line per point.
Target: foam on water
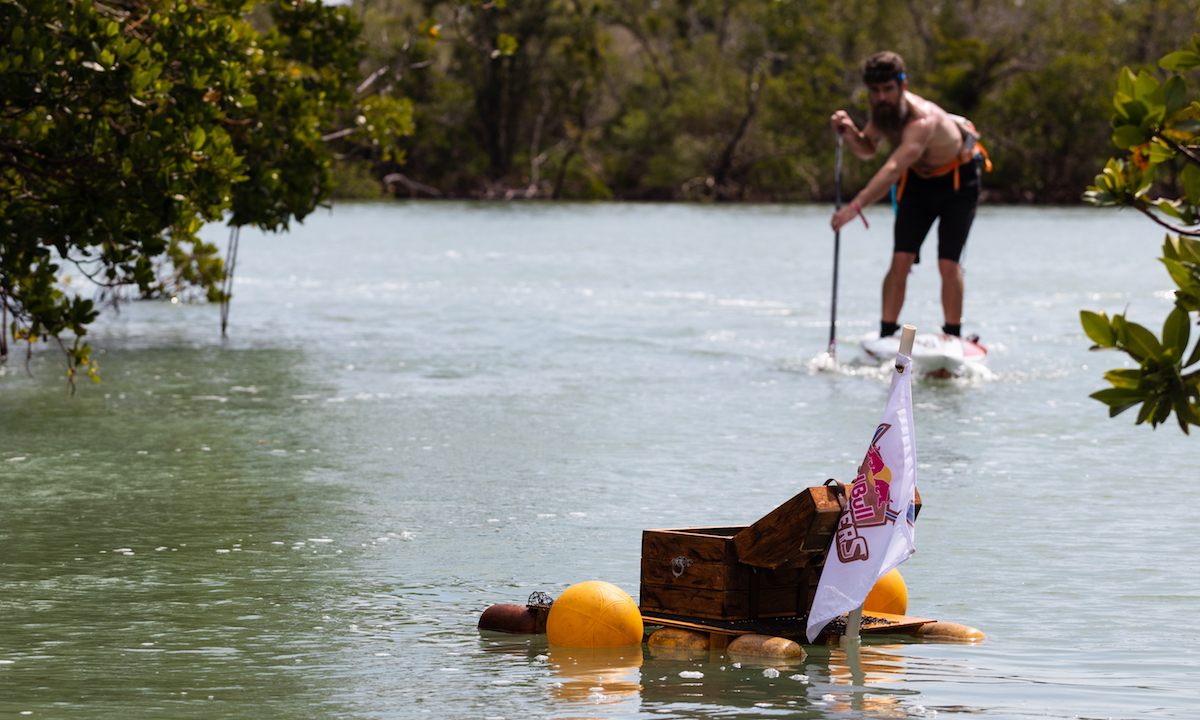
x: 826, y: 364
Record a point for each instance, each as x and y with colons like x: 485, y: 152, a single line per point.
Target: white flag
x: 875, y: 532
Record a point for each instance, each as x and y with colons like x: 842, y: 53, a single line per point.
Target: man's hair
x: 883, y: 66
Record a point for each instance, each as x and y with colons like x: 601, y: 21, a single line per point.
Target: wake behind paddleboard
x: 933, y: 355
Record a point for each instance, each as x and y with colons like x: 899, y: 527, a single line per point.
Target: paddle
x: 837, y: 243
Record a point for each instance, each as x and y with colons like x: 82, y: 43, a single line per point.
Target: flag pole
x: 837, y: 242
x: 907, y: 335
x: 853, y: 621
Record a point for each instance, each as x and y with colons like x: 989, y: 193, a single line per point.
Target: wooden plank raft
x: 793, y: 628
x: 740, y: 579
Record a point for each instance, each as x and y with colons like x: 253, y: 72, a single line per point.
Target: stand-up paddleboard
x: 933, y: 355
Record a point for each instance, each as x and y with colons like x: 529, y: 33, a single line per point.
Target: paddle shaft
x: 837, y: 246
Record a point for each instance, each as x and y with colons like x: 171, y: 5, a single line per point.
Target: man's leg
x: 952, y: 290
x: 957, y: 216
x: 894, y: 284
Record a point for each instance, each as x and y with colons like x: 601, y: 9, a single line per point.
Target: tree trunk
x: 725, y: 159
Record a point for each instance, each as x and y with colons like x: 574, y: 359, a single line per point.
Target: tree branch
x: 337, y: 134
x: 1184, y: 149
x: 1164, y: 223
x: 725, y: 160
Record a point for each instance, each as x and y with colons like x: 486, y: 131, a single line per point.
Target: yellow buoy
x: 594, y: 614
x: 890, y: 595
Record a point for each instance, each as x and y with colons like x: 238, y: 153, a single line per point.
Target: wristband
x: 858, y: 210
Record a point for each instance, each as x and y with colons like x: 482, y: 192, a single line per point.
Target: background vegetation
x: 729, y: 99
x: 126, y: 125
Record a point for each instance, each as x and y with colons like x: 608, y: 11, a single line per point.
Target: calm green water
x: 424, y: 409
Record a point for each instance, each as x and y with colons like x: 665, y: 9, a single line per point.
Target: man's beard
x: 889, y: 118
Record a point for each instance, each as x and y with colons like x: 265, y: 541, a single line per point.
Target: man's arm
x: 862, y: 144
x: 912, y: 145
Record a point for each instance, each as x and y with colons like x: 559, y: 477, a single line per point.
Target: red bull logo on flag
x: 875, y: 530
x: 869, y: 503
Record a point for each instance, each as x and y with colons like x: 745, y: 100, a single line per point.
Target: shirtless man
x: 944, y: 183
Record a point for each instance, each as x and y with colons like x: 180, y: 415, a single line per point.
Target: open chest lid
x: 795, y: 532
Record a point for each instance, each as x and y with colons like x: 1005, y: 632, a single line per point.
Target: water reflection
x: 597, y: 675
x: 859, y: 667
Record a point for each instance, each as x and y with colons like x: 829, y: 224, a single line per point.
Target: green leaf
x: 1180, y: 60
x: 1159, y: 153
x: 506, y: 44
x: 1101, y: 198
x: 1194, y: 357
x: 1143, y: 414
x: 1142, y: 342
x: 1186, y: 278
x: 1098, y: 328
x: 1170, y: 248
x: 1125, y: 81
x: 1147, y: 179
x: 1186, y: 249
x: 18, y: 34
x: 1175, y: 93
x: 1147, y: 89
x: 198, y: 137
x: 1127, y: 136
x: 1162, y: 411
x: 1136, y: 111
x: 1119, y: 100
x: 1121, y: 329
x: 1186, y: 126
x: 1183, y: 407
x: 1118, y: 399
x: 1191, y: 183
x: 1169, y: 207
x: 1179, y: 415
x: 1126, y: 378
x: 1176, y: 331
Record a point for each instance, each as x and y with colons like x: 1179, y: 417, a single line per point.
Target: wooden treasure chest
x: 766, y: 570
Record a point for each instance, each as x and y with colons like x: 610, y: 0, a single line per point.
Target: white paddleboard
x: 933, y: 355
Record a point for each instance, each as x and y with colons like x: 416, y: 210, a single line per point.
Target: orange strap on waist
x: 950, y: 167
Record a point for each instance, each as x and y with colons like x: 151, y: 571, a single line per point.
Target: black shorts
x: 927, y: 199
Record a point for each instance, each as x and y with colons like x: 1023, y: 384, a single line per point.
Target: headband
x: 898, y: 77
